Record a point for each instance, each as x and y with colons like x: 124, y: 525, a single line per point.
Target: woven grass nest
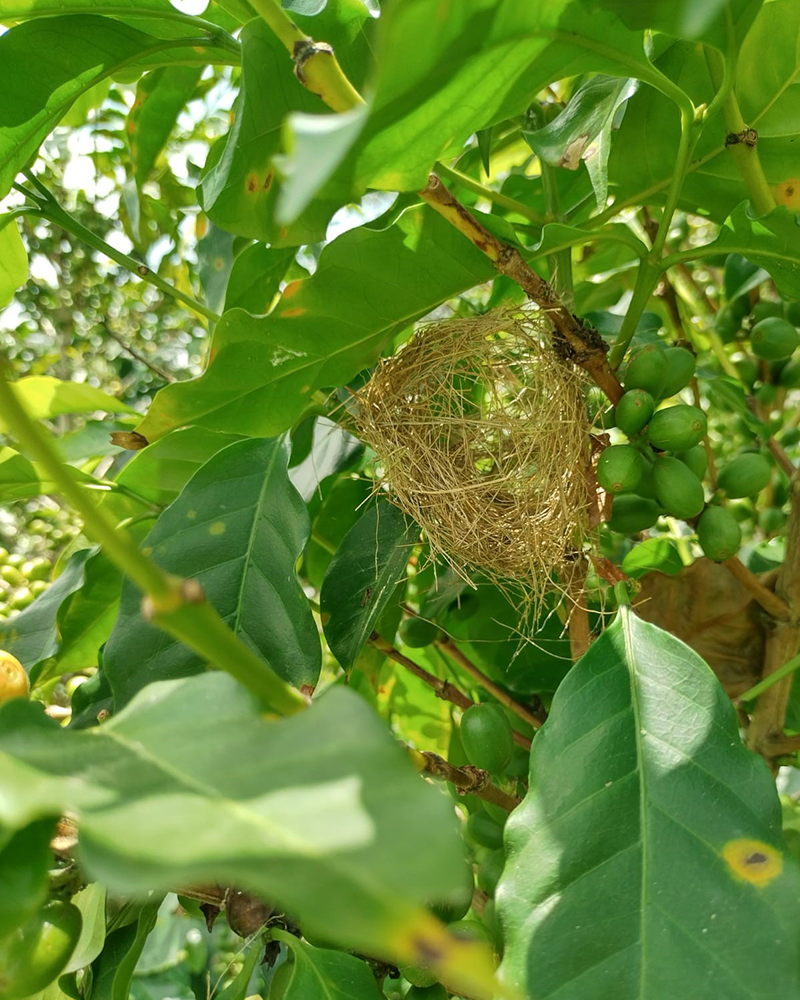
x: 480, y: 432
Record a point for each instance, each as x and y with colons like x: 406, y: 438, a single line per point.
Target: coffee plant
x: 400, y: 525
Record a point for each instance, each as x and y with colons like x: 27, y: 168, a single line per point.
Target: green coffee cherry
x: 486, y: 736
x: 679, y: 490
x: 435, y: 992
x: 789, y: 377
x: 680, y: 369
x: 744, y: 476
x: 631, y: 514
x: 620, y: 468
x: 774, y: 338
x: 481, y: 829
x: 763, y: 310
x: 792, y: 312
x: 633, y: 411
x: 748, y: 370
x: 647, y: 369
x: 677, y: 428
x: 727, y: 323
x: 697, y: 460
x: 490, y: 870
x: 718, y: 533
x: 771, y: 519
x: 416, y: 632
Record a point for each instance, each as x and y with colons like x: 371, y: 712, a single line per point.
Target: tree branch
x: 444, y: 689
x: 468, y: 779
x: 775, y: 606
x: 134, y: 353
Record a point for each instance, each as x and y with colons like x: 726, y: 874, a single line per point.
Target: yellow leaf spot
x: 788, y: 193
x: 147, y: 550
x: 191, y: 514
x: 217, y: 528
x: 252, y: 183
x: 297, y: 311
x: 753, y: 860
x: 218, y: 263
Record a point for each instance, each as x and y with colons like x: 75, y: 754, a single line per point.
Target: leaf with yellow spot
x: 649, y: 838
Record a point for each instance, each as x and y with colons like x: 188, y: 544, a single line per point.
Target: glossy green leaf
x: 240, y: 191
x: 32, y: 635
x: 332, y: 450
x: 643, y: 796
x: 324, y: 974
x: 484, y: 62
x: 771, y: 241
x: 653, y: 554
x: 18, y: 477
x: 237, y: 989
x: 320, y: 812
x: 362, y: 578
x: 256, y: 278
x: 72, y: 53
x: 583, y: 130
x: 114, y: 968
x: 238, y: 528
x: 214, y: 264
x: 13, y: 261
x: 20, y: 10
x: 324, y: 330
x: 160, y: 97
x: 338, y: 513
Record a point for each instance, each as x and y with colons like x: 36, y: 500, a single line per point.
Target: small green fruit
x: 33, y: 955
x: 471, y: 930
x: 631, y: 514
x: 774, y: 338
x: 719, y: 534
x: 748, y: 370
x: 483, y: 830
x: 417, y: 632
x: 11, y: 575
x: 620, y: 468
x: 486, y: 736
x: 792, y: 312
x: 634, y: 410
x: 490, y: 870
x: 458, y: 903
x: 697, y: 460
x: 727, y: 323
x: 679, y: 490
x: 647, y: 369
x: 35, y: 569
x: 677, y: 428
x: 418, y: 975
x: 3, y: 555
x: 15, y: 559
x: 680, y: 369
x: 38, y: 587
x: 435, y: 992
x: 21, y: 598
x: 790, y: 437
x: 767, y: 394
x: 744, y: 476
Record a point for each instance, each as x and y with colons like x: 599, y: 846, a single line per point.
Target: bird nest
x: 480, y: 432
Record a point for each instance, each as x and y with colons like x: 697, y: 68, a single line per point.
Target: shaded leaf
x: 18, y: 477
x: 44, y: 397
x: 583, y: 130
x: 332, y: 449
x: 320, y: 812
x: 91, y: 901
x: 643, y: 795
x: 238, y: 528
x: 160, y: 97
x: 256, y: 277
x: 362, y: 578
x: 696, y: 19
x: 32, y: 635
x: 114, y: 968
x: 214, y: 263
x: 654, y: 553
x: 325, y: 329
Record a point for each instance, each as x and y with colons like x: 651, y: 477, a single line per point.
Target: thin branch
x: 497, y: 197
x: 134, y: 353
x: 468, y: 779
x: 580, y: 636
x: 451, y: 649
x: 444, y: 689
x: 775, y: 606
x: 586, y: 346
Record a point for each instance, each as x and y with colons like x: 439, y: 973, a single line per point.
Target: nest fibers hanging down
x: 480, y: 433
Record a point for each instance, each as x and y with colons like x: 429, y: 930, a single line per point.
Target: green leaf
x: 771, y: 241
x: 583, y: 130
x: 264, y: 369
x: 237, y: 989
x: 238, y: 528
x: 320, y: 813
x: 85, y: 621
x: 332, y: 450
x: 71, y: 54
x: 700, y: 20
x: 256, y: 278
x: 362, y: 577
x: 44, y: 396
x: 91, y: 901
x: 653, y: 554
x: 241, y: 190
x: 640, y: 782
x: 557, y: 236
x: 215, y: 260
x: 160, y: 97
x: 484, y: 62
x: 114, y: 968
x: 25, y: 859
x: 13, y: 261
x: 324, y: 974
x: 32, y: 635
x: 18, y: 477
